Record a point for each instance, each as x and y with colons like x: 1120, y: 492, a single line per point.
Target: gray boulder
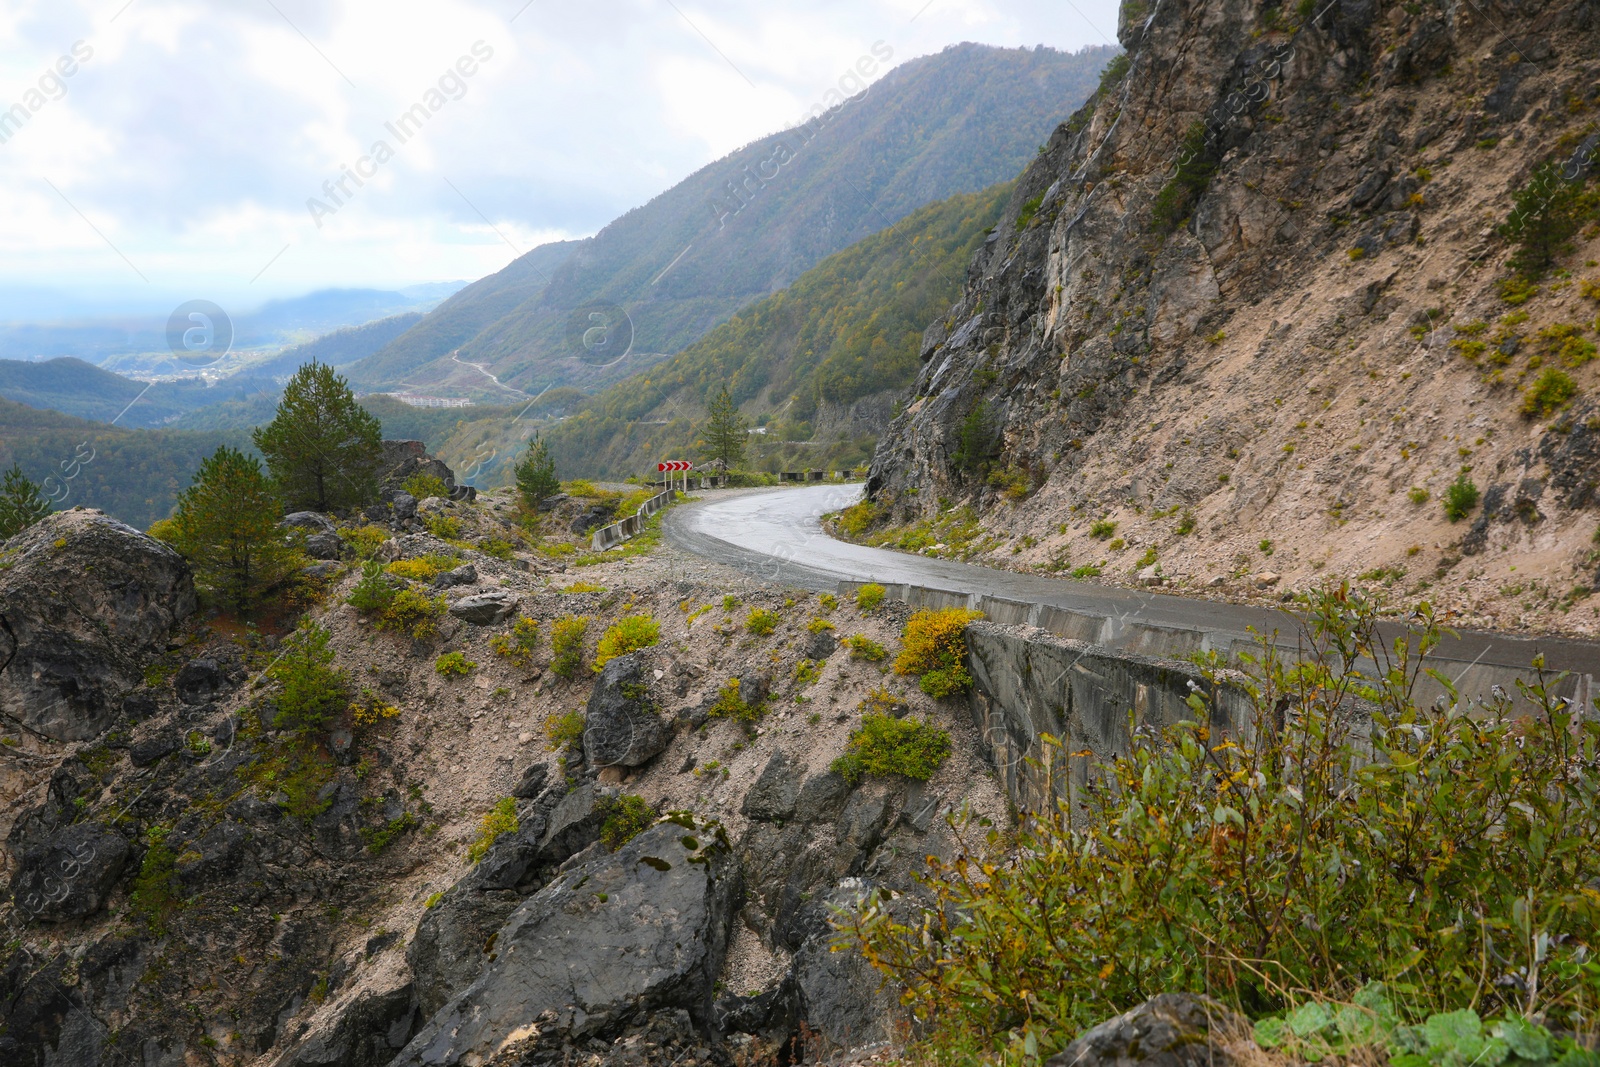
x: 643, y: 930
x: 621, y: 726
x: 405, y: 505
x: 821, y: 645
x: 840, y: 997
x: 773, y: 796
x: 402, y: 459
x: 70, y: 875
x: 326, y: 546
x: 86, y: 602
x: 199, y: 680
x: 311, y: 522
x: 466, y: 574
x: 367, y: 1031
x: 485, y: 609
x: 1168, y: 1030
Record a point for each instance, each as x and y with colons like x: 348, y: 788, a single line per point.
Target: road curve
x: 777, y: 536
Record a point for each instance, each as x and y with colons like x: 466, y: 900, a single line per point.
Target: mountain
x: 344, y: 345
x: 133, y: 475
x: 658, y: 278
x: 820, y: 363
x: 74, y: 387
x: 1300, y: 296
x: 138, y: 343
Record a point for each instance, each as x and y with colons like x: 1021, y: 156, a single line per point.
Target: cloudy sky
x: 155, y: 148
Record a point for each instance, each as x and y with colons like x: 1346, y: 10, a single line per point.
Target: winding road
x: 777, y: 536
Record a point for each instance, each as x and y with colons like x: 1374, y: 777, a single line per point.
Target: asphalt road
x: 777, y: 536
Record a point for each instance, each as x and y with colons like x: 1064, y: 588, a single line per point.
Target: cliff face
x: 1231, y: 308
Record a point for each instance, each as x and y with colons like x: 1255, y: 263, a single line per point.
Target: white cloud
x: 196, y: 132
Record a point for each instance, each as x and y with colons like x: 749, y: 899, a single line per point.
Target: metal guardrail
x: 816, y: 476
x: 618, y: 532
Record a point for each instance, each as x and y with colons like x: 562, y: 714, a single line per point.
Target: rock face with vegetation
x: 369, y: 831
x: 1297, y: 289
x: 85, y: 603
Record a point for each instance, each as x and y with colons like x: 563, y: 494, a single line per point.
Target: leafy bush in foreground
x: 935, y: 648
x: 1451, y: 855
x: 628, y: 634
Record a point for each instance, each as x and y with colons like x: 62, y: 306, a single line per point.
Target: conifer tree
x: 536, y: 474
x: 322, y: 448
x: 21, y: 503
x: 724, y: 435
x: 226, y: 526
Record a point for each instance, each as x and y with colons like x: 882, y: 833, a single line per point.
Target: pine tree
x: 536, y: 474
x: 322, y: 448
x: 226, y: 526
x: 1544, y: 218
x: 21, y: 503
x: 724, y: 435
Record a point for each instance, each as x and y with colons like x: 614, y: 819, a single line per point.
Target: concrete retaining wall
x: 1040, y: 669
x: 1028, y: 683
x: 618, y: 532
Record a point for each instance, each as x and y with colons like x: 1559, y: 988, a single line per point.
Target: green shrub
x: 731, y: 704
x: 363, y: 540
x: 311, y: 691
x: 1548, y: 393
x: 828, y: 601
x: 566, y: 644
x: 884, y: 746
x: 934, y: 647
x: 1546, y: 213
x: 1427, y: 847
x: 413, y: 612
x: 444, y: 527
x: 729, y: 602
x: 155, y: 894
x: 863, y: 647
x: 453, y: 664
x: 818, y: 625
x: 761, y: 622
x: 379, y: 838
x: 628, y: 634
x: 374, y: 593
x: 1460, y: 498
x: 423, y: 568
x: 422, y: 485
x: 500, y: 819
x: 1418, y: 495
x: 564, y: 729
x: 1186, y: 524
x: 1196, y: 164
x: 1101, y: 529
x: 870, y: 596
x: 627, y: 817
x: 519, y: 645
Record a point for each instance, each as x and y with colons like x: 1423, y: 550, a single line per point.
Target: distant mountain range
x: 138, y: 343
x: 658, y: 278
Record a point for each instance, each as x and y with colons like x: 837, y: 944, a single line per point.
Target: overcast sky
x: 169, y: 147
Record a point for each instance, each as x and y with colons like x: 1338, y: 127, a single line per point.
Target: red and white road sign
x: 675, y: 465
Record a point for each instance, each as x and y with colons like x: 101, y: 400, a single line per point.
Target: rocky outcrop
x: 85, y: 603
x: 1168, y: 1030
x: 622, y: 726
x: 485, y: 609
x: 643, y: 929
x: 1256, y: 198
x: 70, y: 875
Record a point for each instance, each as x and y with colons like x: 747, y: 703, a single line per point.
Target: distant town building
x: 417, y: 400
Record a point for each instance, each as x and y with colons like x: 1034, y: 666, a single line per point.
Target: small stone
x: 1217, y: 581
x: 1150, y: 575
x: 524, y: 737
x: 1268, y: 579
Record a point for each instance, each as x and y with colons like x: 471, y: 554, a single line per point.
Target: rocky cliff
x: 1250, y: 315
x: 468, y: 855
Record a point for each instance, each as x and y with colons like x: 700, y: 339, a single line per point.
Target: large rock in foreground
x: 85, y: 603
x: 645, y: 929
x: 1168, y: 1030
x: 621, y: 725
